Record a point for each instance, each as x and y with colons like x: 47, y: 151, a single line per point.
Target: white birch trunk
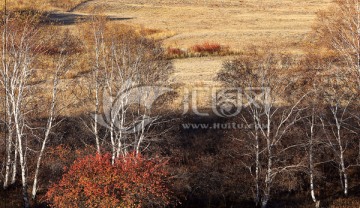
x: 14, y: 165
x: 311, y: 159
x: 49, y: 126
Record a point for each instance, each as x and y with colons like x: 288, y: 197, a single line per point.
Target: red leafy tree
x: 93, y: 181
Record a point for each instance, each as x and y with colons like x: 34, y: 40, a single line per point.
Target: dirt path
x: 198, y: 72
x: 197, y: 75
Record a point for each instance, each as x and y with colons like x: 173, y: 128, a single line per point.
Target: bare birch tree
x: 312, y: 67
x: 340, y: 33
x: 339, y: 85
x: 61, y: 67
x: 339, y: 97
x: 19, y: 41
x: 273, y: 114
x: 124, y: 64
x: 311, y: 123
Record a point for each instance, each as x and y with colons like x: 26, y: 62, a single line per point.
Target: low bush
x: 175, y: 52
x: 92, y: 181
x: 206, y: 47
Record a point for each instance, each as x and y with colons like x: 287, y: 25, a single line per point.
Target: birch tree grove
x: 18, y: 41
x: 311, y: 121
x: 270, y: 120
x: 134, y: 63
x: 123, y: 63
x: 23, y: 43
x: 340, y: 33
x: 339, y: 95
x: 312, y: 126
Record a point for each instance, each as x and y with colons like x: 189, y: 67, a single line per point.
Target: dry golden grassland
x: 184, y: 24
x: 235, y: 24
x: 43, y: 5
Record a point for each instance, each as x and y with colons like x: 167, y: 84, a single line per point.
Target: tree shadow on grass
x: 71, y: 18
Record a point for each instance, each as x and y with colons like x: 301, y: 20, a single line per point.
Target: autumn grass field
x: 235, y: 24
x: 183, y: 25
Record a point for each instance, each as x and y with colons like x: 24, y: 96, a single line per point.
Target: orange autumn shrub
x: 175, y: 52
x: 93, y: 181
x: 206, y: 48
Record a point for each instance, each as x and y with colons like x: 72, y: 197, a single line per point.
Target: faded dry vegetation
x: 60, y: 82
x: 233, y: 24
x: 43, y: 5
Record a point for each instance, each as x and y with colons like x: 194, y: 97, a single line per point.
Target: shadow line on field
x: 71, y: 18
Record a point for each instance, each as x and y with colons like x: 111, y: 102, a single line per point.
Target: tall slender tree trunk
x: 311, y: 158
x: 311, y: 166
x: 49, y: 126
x: 38, y: 163
x: 343, y: 173
x: 96, y: 128
x: 9, y: 151
x: 257, y: 160
x: 257, y: 168
x: 14, y: 165
x: 344, y: 176
x: 22, y: 165
x: 268, y: 178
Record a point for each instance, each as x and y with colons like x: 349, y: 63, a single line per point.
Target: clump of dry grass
x: 200, y: 50
x: 149, y: 31
x: 176, y: 52
x: 206, y: 47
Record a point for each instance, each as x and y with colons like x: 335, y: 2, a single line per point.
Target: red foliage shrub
x: 93, y: 181
x: 206, y: 48
x: 175, y: 52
